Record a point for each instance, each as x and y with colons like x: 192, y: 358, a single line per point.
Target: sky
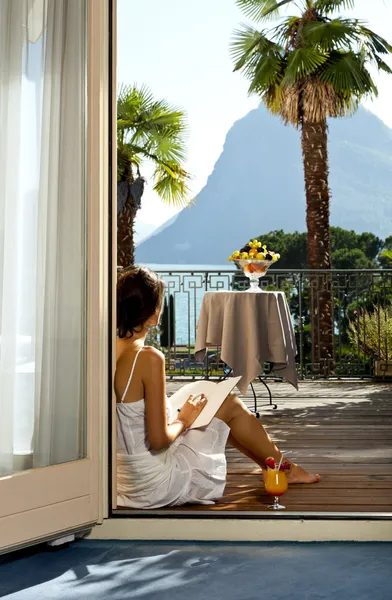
x: 180, y: 50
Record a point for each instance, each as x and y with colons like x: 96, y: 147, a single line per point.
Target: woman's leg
x: 235, y: 443
x: 251, y: 435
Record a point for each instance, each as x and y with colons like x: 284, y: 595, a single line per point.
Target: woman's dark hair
x: 139, y: 295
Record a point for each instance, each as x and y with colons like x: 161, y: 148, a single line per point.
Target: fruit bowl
x: 253, y: 270
x: 254, y: 260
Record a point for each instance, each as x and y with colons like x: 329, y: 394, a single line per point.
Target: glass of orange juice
x: 276, y: 485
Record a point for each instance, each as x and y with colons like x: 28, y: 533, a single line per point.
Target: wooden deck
x: 341, y: 430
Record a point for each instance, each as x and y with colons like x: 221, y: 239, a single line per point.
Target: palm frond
x: 166, y: 148
x: 377, y: 43
x: 141, y: 99
x: 136, y: 155
x: 170, y: 178
x: 330, y: 35
x: 329, y: 6
x: 158, y: 115
x: 303, y: 62
x: 272, y: 98
x: 137, y: 108
x: 128, y: 161
x: 262, y: 10
x: 387, y: 254
x: 346, y: 73
x: 147, y: 132
x: 131, y: 103
x: 267, y: 71
x: 171, y: 184
x: 246, y: 42
x: 283, y: 32
x: 382, y: 65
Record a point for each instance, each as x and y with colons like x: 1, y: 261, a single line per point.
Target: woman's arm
x: 160, y: 434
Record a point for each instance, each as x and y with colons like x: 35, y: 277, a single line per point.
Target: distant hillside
x: 257, y: 186
x: 143, y: 231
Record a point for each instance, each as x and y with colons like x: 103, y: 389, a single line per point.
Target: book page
x: 214, y: 392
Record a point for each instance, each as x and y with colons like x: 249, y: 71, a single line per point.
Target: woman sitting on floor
x: 159, y: 462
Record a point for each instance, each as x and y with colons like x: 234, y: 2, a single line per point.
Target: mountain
x: 143, y: 231
x: 257, y: 186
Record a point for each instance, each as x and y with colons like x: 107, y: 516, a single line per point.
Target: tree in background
x: 168, y: 321
x: 290, y: 246
x: 352, y: 294
x: 386, y: 255
x: 148, y: 130
x: 310, y: 67
x: 349, y: 250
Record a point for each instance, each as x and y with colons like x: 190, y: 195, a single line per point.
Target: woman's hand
x: 192, y: 409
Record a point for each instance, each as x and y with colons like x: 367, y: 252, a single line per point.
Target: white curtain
x: 42, y: 232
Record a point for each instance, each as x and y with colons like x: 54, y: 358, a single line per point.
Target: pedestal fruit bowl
x: 254, y: 260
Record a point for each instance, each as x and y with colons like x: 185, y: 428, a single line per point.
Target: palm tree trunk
x: 125, y: 234
x: 315, y: 159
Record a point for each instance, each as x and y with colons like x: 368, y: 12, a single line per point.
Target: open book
x: 214, y: 392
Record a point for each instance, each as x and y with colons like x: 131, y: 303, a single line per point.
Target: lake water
x: 188, y: 288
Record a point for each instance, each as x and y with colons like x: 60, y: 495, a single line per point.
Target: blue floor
x: 194, y: 571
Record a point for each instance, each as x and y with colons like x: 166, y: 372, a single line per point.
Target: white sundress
x: 191, y: 471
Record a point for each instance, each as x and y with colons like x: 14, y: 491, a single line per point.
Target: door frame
x: 45, y: 503
x: 111, y: 440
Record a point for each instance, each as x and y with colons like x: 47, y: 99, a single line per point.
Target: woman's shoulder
x: 148, y: 360
x: 146, y: 352
x: 152, y: 354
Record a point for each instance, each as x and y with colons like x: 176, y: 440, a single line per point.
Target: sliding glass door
x: 53, y: 264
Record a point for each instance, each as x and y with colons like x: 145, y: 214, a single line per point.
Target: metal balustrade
x: 350, y: 311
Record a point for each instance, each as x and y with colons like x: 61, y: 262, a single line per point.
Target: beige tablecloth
x: 251, y: 328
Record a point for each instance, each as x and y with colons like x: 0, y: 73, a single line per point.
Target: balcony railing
x: 360, y: 316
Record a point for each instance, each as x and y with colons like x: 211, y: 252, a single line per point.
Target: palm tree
x: 388, y: 255
x: 308, y: 68
x: 148, y: 130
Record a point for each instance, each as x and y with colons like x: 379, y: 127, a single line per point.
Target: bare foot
x: 298, y: 475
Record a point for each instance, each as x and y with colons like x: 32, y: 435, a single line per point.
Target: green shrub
x: 371, y: 332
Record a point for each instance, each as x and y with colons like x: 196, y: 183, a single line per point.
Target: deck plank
x: 343, y: 430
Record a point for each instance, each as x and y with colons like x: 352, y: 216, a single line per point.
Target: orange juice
x: 276, y: 482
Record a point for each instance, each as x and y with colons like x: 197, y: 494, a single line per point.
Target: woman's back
x: 130, y: 368
x: 132, y: 435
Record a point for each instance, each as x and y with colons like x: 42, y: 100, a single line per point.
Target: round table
x: 251, y: 329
